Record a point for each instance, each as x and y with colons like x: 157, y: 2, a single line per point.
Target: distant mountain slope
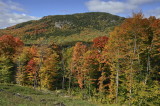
x: 62, y: 27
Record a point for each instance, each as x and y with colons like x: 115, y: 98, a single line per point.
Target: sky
x: 16, y: 11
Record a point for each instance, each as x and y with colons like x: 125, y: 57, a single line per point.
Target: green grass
x: 13, y: 95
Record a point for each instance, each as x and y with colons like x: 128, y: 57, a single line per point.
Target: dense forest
x: 120, y: 67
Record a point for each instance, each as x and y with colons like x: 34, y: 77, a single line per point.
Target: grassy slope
x: 13, y: 95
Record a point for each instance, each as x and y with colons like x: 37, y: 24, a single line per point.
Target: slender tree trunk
x: 131, y: 70
x: 19, y: 71
x: 63, y: 81
x: 148, y: 69
x: 70, y: 79
x: 131, y: 81
x: 63, y: 65
x: 69, y: 88
x: 34, y: 85
x: 117, y: 82
x: 40, y: 65
x: 148, y: 62
x: 117, y: 78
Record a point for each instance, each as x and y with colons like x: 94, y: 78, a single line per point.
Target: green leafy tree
x: 6, y: 70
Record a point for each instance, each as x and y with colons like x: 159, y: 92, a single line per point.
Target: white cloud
x: 116, y: 6
x: 12, y: 13
x: 109, y: 6
x: 138, y: 2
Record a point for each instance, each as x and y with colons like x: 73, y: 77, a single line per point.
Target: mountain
x: 65, y: 28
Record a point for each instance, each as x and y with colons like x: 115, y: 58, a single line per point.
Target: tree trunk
x: 117, y: 82
x: 63, y: 65
x: 117, y: 78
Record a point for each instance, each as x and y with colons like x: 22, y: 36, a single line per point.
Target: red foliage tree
x: 9, y: 44
x: 100, y: 42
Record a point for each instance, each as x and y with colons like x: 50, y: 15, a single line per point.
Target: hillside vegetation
x: 65, y: 28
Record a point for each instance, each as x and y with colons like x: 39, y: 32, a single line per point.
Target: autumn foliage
x: 9, y: 44
x: 100, y: 42
x: 121, y: 69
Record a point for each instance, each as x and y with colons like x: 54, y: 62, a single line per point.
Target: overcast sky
x: 17, y: 11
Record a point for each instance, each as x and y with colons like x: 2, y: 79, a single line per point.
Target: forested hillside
x: 65, y: 28
x: 122, y: 68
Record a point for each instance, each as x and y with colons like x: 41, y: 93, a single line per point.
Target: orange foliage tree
x: 77, y: 62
